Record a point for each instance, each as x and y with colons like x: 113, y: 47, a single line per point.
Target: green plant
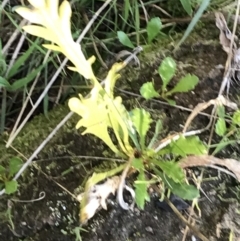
x: 166, y: 71
x: 187, y: 5
x: 101, y: 111
x: 11, y: 83
x: 228, y: 128
x: 7, y: 173
x: 153, y: 29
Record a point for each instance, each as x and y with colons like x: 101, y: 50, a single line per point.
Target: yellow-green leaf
x: 40, y: 32
x: 52, y: 7
x: 30, y: 15
x: 39, y: 3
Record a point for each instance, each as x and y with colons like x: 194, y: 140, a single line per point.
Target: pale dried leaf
x: 97, y: 196
x: 210, y: 161
x: 225, y: 34
x: 221, y: 100
x: 125, y: 53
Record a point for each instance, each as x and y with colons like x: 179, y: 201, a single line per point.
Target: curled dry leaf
x: 211, y: 161
x: 97, y: 196
x: 124, y: 53
x: 221, y: 100
x: 225, y: 40
x: 225, y: 34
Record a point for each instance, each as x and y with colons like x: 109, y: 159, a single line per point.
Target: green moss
x: 35, y: 132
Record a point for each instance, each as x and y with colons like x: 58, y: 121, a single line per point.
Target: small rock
x: 149, y: 229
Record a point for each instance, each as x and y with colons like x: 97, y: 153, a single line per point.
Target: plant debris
x: 211, y: 161
x: 97, y: 195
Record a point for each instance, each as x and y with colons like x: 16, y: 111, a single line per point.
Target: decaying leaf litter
x: 200, y: 161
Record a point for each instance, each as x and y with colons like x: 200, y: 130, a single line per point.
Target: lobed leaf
x: 185, y: 146
x: 41, y: 32
x: 185, y: 84
x: 172, y: 170
x: 148, y: 91
x: 30, y: 15
x: 141, y: 186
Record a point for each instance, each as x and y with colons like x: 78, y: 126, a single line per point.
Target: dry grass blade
x: 227, y: 40
x: 211, y: 161
x: 225, y: 34
x: 202, y: 106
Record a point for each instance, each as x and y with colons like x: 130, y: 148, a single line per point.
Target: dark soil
x: 55, y: 217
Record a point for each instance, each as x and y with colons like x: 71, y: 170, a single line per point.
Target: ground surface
x: 55, y: 217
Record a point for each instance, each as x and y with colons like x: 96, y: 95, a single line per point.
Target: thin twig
x: 10, y: 140
x: 4, y: 3
x: 85, y: 17
x: 16, y: 52
x: 229, y: 59
x: 197, y: 182
x: 13, y: 37
x: 4, y: 98
x: 84, y: 32
x: 163, y: 102
x: 163, y: 143
x: 144, y: 11
x: 28, y: 97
